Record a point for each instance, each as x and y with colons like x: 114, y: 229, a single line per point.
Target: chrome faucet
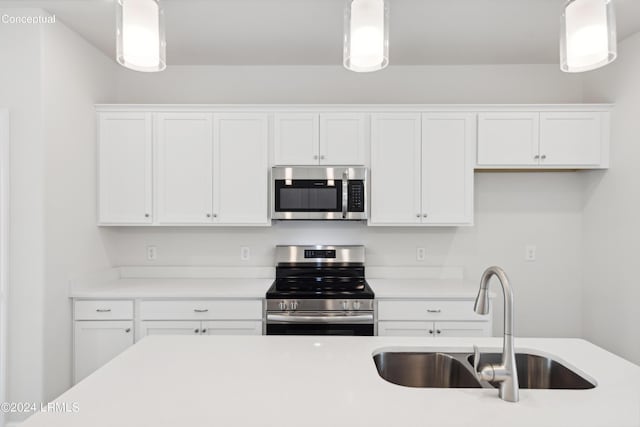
x: 504, y: 373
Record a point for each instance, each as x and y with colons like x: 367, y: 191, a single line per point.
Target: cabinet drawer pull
x: 103, y: 310
x: 429, y: 310
x: 200, y: 310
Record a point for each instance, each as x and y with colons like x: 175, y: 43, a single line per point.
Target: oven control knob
x: 283, y: 305
x: 356, y: 305
x: 294, y: 305
x: 345, y: 305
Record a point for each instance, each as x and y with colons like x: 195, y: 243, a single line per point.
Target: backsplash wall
x: 512, y: 210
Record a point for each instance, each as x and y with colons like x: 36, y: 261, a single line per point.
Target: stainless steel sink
x: 539, y: 372
x: 432, y: 370
x: 455, y: 370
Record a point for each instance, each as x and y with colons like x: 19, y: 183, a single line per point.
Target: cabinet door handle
x: 315, y: 157
x: 536, y: 157
x: 438, y: 331
x: 200, y: 310
x: 208, y: 215
x: 544, y: 156
x: 204, y: 331
x: 430, y: 331
x: 127, y: 330
x: 322, y: 157
x: 417, y: 215
x: 424, y: 215
x: 103, y: 310
x: 197, y: 331
x: 429, y: 310
x: 146, y: 215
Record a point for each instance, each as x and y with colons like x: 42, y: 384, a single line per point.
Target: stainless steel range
x: 320, y: 290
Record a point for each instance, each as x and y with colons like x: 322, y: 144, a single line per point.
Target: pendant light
x: 366, y: 35
x: 587, y: 35
x: 141, y: 44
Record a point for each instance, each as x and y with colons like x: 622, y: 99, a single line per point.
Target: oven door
x: 320, y: 323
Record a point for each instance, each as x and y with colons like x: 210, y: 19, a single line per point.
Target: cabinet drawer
x: 103, y: 310
x: 434, y: 310
x: 201, y: 310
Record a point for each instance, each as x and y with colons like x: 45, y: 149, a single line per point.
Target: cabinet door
x: 395, y: 169
x: 447, y: 168
x: 97, y: 342
x: 170, y: 327
x: 570, y: 139
x: 185, y: 164
x: 243, y: 327
x: 124, y: 163
x: 508, y: 139
x: 342, y: 139
x: 462, y: 329
x: 241, y: 172
x: 296, y: 138
x: 405, y: 329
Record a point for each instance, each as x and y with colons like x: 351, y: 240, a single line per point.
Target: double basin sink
x: 455, y: 370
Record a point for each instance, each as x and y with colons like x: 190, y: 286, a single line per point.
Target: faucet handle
x: 476, y: 360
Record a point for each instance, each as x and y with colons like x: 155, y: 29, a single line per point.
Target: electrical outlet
x: 420, y: 254
x: 245, y: 254
x: 152, y: 253
x: 530, y: 253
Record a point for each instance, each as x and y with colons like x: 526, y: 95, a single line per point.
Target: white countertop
x: 175, y: 282
x: 176, y: 288
x: 329, y: 381
x: 423, y: 288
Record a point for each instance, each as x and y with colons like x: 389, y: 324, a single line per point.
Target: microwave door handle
x: 345, y: 192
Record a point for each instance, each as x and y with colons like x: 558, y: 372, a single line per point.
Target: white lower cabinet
x: 98, y: 341
x: 105, y: 328
x: 434, y: 329
x: 191, y: 327
x: 102, y: 329
x: 433, y: 318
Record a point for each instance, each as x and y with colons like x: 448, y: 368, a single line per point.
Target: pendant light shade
x: 366, y: 35
x: 140, y: 35
x: 587, y: 35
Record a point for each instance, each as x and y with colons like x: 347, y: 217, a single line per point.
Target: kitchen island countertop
x: 330, y: 381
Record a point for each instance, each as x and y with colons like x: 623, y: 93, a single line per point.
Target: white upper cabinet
x: 571, y: 138
x: 320, y: 139
x: 395, y: 169
x: 342, y: 139
x: 447, y: 168
x: 422, y: 169
x: 184, y: 155
x: 508, y: 139
x: 296, y: 138
x: 543, y: 140
x: 241, y: 172
x: 125, y: 168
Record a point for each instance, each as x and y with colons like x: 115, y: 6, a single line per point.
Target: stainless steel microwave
x: 319, y: 192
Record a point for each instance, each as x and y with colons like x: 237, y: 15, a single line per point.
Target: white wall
x: 52, y: 79
x: 611, y: 225
x: 512, y: 209
x: 75, y: 77
x: 334, y: 84
x: 20, y: 65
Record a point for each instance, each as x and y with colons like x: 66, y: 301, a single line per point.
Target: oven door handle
x: 358, y: 318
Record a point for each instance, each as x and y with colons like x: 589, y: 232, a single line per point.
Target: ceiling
x: 309, y: 32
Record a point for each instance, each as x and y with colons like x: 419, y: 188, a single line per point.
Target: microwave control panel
x: 355, y: 193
